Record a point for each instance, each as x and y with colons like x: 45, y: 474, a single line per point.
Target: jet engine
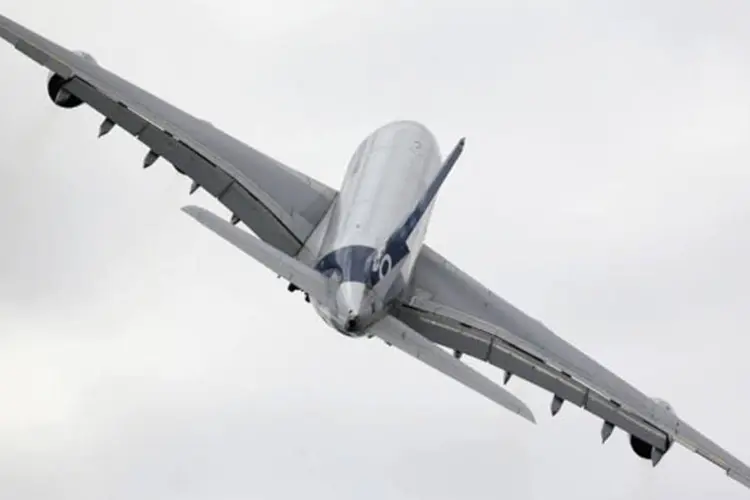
x: 56, y: 84
x: 645, y: 450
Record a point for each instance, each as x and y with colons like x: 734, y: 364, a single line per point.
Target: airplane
x: 358, y: 254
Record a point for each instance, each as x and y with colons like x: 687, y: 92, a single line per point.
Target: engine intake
x: 645, y: 450
x: 56, y: 87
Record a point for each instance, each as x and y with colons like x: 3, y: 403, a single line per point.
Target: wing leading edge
x: 452, y: 309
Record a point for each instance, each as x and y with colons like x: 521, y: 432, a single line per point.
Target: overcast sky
x: 604, y: 190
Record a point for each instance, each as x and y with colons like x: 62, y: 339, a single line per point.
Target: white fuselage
x: 386, y: 177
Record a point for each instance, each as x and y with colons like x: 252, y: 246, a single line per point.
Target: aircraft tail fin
x: 396, y: 248
x: 405, y: 230
x: 305, y: 277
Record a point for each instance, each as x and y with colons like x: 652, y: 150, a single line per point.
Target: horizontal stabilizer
x: 398, y: 334
x: 305, y: 277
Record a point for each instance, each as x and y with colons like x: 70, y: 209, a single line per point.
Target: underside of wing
x: 452, y: 309
x: 282, y: 206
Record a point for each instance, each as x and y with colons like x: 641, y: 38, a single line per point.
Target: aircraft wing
x: 450, y: 308
x: 282, y: 206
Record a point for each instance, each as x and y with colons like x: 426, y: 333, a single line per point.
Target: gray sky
x: 603, y: 190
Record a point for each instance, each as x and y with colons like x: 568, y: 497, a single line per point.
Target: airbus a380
x: 358, y: 254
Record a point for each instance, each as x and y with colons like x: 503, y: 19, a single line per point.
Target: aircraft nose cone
x: 351, y: 303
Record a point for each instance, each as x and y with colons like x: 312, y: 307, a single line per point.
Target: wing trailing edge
x: 396, y: 247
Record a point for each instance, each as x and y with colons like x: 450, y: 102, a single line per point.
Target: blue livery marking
x: 365, y: 264
x: 353, y: 263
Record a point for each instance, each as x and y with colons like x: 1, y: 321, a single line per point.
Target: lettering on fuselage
x: 379, y: 208
x: 362, y: 264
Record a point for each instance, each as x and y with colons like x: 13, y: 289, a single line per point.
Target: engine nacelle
x: 56, y: 84
x: 645, y: 450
